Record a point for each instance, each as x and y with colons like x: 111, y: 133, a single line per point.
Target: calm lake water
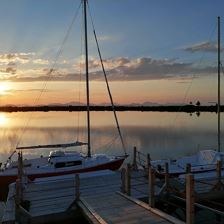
x: 162, y: 134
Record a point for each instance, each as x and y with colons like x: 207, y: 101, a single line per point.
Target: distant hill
x: 66, y: 107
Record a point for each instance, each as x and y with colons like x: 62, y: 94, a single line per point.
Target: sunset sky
x: 154, y: 50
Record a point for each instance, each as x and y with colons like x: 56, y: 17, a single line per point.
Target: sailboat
x: 203, y: 164
x: 60, y: 162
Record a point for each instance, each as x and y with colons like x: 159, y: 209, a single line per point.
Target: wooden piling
x: 77, y: 187
x: 148, y: 163
x: 20, y: 166
x: 167, y: 175
x: 188, y: 168
x: 128, y: 180
x: 18, y: 196
x: 219, y: 169
x: 19, y: 180
x: 123, y: 174
x: 18, y: 199
x: 190, y: 199
x: 19, y: 188
x: 134, y: 164
x: 148, y: 160
x: 151, y: 177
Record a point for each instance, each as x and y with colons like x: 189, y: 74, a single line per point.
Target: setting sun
x: 4, y: 87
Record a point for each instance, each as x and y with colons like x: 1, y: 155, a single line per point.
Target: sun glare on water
x: 3, y: 119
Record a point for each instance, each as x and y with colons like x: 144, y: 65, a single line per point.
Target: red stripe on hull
x: 114, y: 165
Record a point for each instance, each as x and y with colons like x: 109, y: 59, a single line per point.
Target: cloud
x: 203, y: 47
x: 22, y: 58
x: 30, y: 90
x: 147, y: 68
x: 41, y: 61
x: 10, y: 70
x: 104, y: 38
x: 117, y: 69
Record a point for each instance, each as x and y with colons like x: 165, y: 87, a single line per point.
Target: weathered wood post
x: 190, y: 198
x: 134, y: 164
x: 128, y: 180
x: 167, y: 175
x: 19, y: 187
x: 123, y: 174
x: 188, y: 168
x: 219, y: 170
x: 20, y: 166
x: 148, y: 163
x: 18, y: 200
x: 77, y: 187
x: 151, y: 186
x: 18, y: 196
x: 19, y: 184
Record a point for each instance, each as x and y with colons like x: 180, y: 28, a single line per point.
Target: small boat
x: 204, y: 162
x: 60, y: 161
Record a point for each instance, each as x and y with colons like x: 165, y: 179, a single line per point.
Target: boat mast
x: 87, y: 76
x: 219, y: 142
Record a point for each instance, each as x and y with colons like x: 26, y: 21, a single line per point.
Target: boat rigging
x: 66, y: 162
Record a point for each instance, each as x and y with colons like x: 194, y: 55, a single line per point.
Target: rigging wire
x: 80, y: 78
x: 107, y: 146
x: 193, y: 77
x: 107, y: 84
x: 222, y: 68
x: 49, y: 74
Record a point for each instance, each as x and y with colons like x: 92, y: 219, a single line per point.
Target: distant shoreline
x: 173, y: 108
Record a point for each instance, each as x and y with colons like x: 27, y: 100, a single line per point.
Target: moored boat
x: 59, y: 163
x: 204, y: 162
x: 62, y: 162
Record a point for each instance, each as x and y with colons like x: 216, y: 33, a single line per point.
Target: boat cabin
x: 61, y: 159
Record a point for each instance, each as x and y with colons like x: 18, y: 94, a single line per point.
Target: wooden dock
x: 100, y: 201
x: 126, y: 196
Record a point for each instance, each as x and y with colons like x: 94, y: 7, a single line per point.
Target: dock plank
x: 99, y: 201
x: 122, y: 211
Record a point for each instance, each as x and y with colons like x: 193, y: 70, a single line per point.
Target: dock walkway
x: 113, y: 208
x: 100, y: 201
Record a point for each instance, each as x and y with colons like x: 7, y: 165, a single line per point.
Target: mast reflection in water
x: 163, y: 135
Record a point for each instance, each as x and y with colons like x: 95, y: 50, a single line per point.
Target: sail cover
x: 65, y: 145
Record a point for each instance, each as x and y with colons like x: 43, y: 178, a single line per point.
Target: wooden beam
x: 190, y: 199
x: 151, y: 186
x: 92, y: 211
x: 128, y: 180
x: 167, y: 175
x: 134, y: 164
x: 153, y: 210
x: 123, y: 174
x: 188, y: 168
x: 219, y: 169
x: 77, y: 187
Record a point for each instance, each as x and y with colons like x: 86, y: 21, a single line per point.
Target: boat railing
x: 140, y: 160
x: 134, y: 182
x: 199, y: 192
x: 194, y: 193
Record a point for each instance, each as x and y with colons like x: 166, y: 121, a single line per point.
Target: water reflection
x: 3, y: 119
x: 154, y: 133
